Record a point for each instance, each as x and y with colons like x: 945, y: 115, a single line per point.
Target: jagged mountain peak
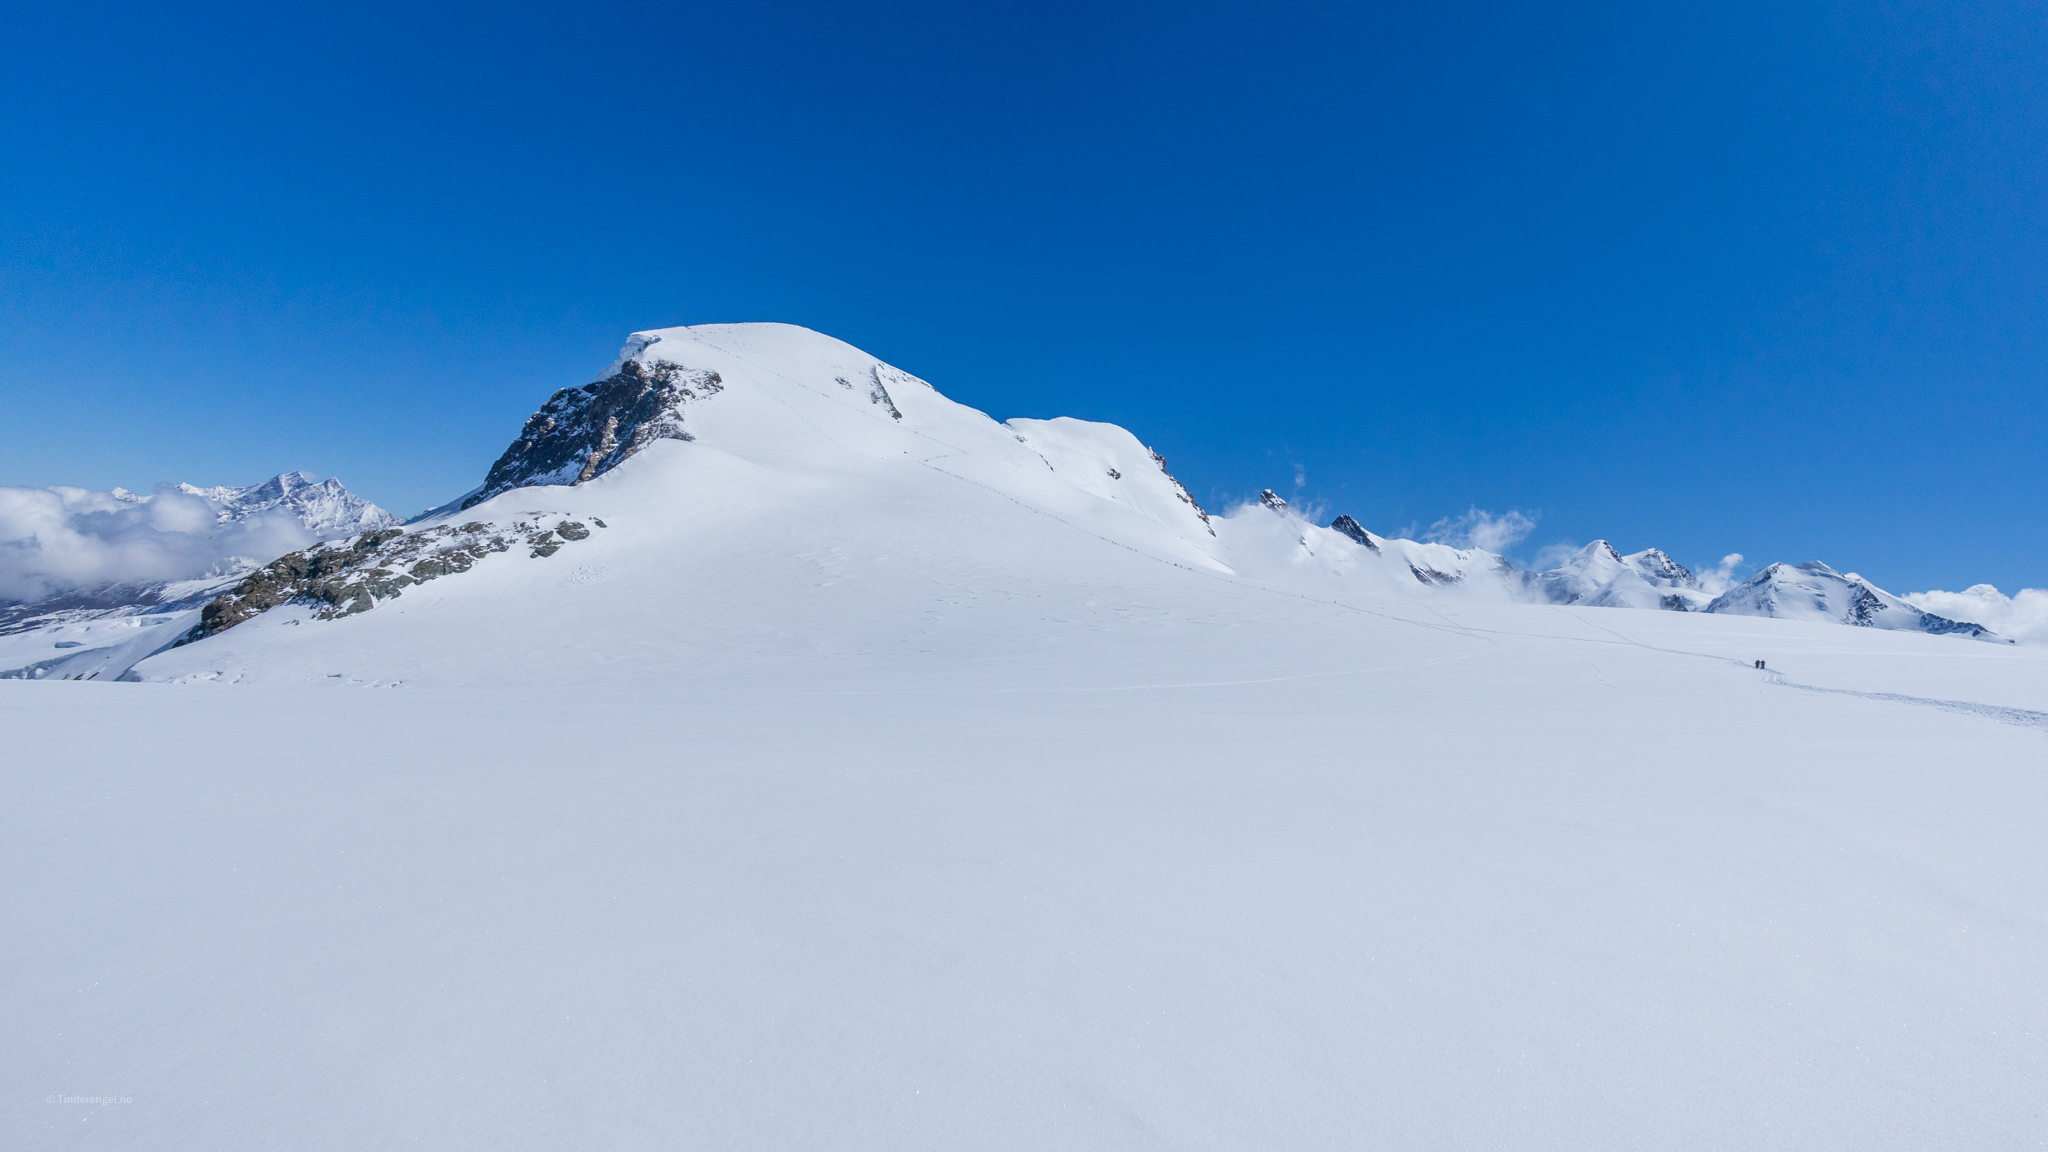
x: 1600, y: 549
x: 1599, y: 576
x: 325, y: 507
x: 1655, y: 565
x: 1351, y: 528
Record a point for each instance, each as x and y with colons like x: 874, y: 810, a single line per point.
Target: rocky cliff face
x: 581, y: 433
x: 345, y: 577
x: 1356, y: 531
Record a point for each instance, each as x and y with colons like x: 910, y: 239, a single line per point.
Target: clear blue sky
x: 1768, y: 278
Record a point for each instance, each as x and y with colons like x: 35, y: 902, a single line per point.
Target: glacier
x: 863, y: 771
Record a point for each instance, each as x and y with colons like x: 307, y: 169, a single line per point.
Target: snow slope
x: 877, y: 775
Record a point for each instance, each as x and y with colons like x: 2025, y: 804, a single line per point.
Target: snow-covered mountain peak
x: 326, y: 508
x: 775, y: 467
x: 1599, y: 576
x: 1655, y: 566
x: 1814, y: 591
x: 803, y: 406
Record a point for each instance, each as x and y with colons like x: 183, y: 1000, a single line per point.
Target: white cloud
x: 59, y: 539
x: 1481, y: 529
x: 1551, y: 555
x: 2022, y: 616
x: 1714, y: 581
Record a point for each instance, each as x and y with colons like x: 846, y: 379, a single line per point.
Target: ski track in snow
x: 1995, y: 712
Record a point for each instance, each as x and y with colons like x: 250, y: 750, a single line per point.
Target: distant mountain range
x: 1600, y: 577
x: 696, y: 438
x: 99, y: 630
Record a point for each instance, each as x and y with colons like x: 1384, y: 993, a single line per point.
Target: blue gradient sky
x: 1757, y: 278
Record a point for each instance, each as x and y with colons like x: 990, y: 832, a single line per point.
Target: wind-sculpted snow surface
x: 827, y: 839
x: 883, y: 776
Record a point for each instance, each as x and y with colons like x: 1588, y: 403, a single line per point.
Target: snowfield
x: 869, y: 774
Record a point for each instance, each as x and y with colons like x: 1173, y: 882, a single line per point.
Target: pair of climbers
x: 1759, y: 663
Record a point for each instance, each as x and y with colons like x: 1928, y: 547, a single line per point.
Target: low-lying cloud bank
x: 2022, y: 616
x: 60, y: 539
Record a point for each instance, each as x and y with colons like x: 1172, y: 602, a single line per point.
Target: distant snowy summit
x: 122, y: 574
x: 1599, y: 576
x: 1814, y: 591
x: 325, y: 508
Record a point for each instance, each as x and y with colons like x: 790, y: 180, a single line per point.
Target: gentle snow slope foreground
x: 857, y: 774
x: 1066, y: 864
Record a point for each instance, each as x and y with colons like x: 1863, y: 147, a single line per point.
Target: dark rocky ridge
x: 1352, y: 528
x: 1180, y: 491
x: 581, y: 433
x: 351, y: 576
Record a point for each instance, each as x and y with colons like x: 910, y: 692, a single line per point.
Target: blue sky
x: 1757, y: 278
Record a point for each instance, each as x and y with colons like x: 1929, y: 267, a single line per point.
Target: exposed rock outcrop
x: 879, y: 394
x: 1356, y: 531
x: 354, y: 575
x: 1180, y: 491
x: 582, y: 433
